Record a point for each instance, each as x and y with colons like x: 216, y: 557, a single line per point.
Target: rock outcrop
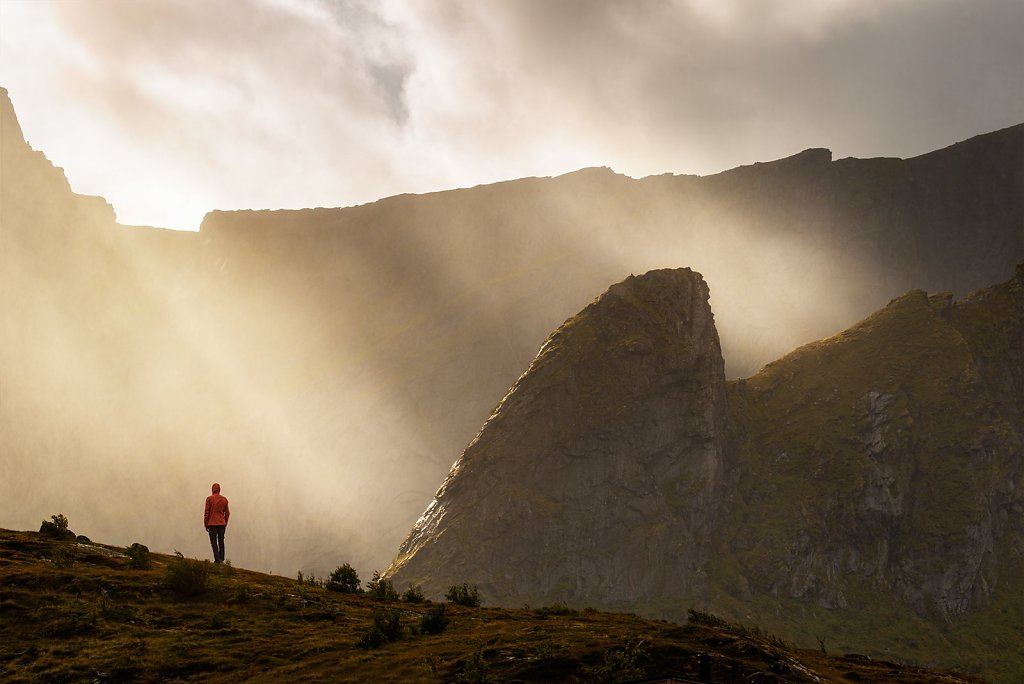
x: 601, y: 475
x: 874, y: 479
x: 887, y: 458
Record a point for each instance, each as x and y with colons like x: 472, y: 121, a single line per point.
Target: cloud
x: 702, y: 86
x: 184, y: 106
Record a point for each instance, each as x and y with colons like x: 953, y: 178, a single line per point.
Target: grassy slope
x: 806, y: 416
x: 99, y: 621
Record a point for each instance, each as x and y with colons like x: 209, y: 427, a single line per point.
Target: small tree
x: 413, y: 594
x: 187, y: 577
x: 463, y: 594
x: 344, y: 579
x: 57, y: 527
x: 434, y: 621
x: 381, y: 589
x: 387, y: 627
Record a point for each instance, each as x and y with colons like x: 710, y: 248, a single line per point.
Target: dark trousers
x: 217, y: 541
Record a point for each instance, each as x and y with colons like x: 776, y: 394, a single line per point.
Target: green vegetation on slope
x: 877, y: 506
x: 96, y: 619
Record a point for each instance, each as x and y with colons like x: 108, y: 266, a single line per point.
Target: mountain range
x: 327, y: 366
x: 866, y: 490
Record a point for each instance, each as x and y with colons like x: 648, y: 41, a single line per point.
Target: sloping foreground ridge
x: 864, y: 490
x: 82, y: 612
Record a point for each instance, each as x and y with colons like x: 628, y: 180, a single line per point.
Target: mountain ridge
x: 367, y: 345
x: 86, y: 611
x: 879, y: 471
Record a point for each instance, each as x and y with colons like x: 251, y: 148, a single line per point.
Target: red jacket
x: 216, y: 512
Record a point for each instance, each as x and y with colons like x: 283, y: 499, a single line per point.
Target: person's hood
x: 216, y: 488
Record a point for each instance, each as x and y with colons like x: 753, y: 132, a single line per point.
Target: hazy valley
x: 328, y: 366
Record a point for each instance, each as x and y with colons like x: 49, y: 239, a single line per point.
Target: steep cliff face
x: 32, y: 189
x: 601, y: 475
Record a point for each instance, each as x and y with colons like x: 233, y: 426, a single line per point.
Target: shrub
x: 64, y: 557
x: 186, y: 577
x: 57, y: 527
x: 344, y: 579
x: 309, y: 580
x: 619, y: 665
x: 220, y: 620
x: 434, y: 621
x: 138, y: 557
x: 707, y: 619
x: 389, y: 622
x: 240, y: 593
x: 413, y: 594
x: 387, y: 627
x: 698, y: 617
x: 554, y: 609
x: 463, y: 594
x: 381, y: 589
x: 475, y: 669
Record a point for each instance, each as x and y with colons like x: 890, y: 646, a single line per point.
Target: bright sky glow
x: 172, y: 108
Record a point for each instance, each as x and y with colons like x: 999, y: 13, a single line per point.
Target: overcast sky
x: 171, y: 108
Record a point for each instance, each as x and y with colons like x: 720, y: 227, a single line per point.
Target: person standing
x: 215, y: 519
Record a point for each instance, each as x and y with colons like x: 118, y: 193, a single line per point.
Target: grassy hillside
x: 880, y: 508
x: 77, y: 612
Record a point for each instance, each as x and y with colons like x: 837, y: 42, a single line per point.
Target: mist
x: 327, y: 367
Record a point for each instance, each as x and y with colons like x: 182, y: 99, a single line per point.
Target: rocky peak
x: 33, y: 190
x: 11, y: 137
x: 613, y: 441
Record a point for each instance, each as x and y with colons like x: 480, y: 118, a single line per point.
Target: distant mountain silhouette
x: 866, y: 488
x: 332, y: 363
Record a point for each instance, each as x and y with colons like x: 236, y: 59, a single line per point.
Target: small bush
x: 389, y: 621
x: 187, y: 577
x: 371, y: 638
x: 138, y: 557
x: 309, y: 580
x: 344, y: 579
x: 381, y: 589
x: 64, y: 557
x: 57, y: 527
x: 413, y: 594
x: 698, y: 617
x: 555, y: 609
x: 434, y: 621
x: 463, y: 594
x: 220, y: 620
x: 619, y: 665
x: 475, y: 669
x: 387, y: 627
x: 707, y: 619
x: 240, y: 593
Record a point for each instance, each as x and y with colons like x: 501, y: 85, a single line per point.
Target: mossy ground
x: 99, y: 621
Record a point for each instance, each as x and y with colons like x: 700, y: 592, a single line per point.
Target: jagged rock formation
x: 599, y: 475
x: 873, y: 481
x: 351, y: 354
